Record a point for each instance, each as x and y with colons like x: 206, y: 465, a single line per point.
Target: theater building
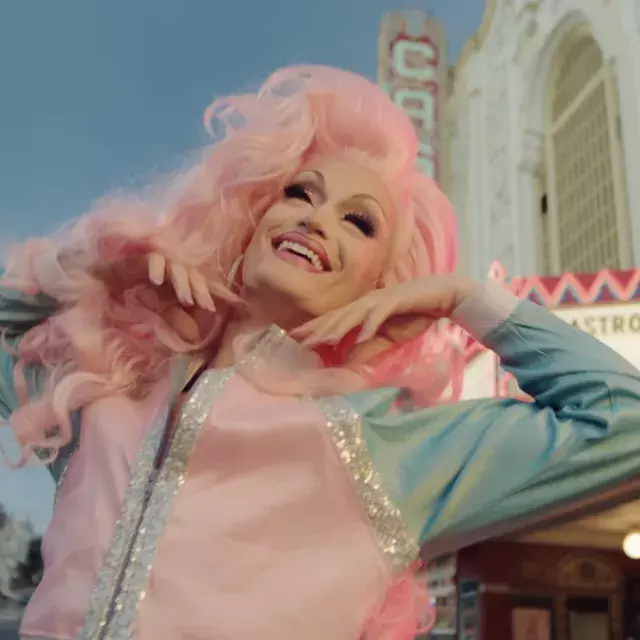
x: 535, y: 135
x: 542, y: 137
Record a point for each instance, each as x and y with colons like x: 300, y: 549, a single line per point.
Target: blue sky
x: 101, y: 95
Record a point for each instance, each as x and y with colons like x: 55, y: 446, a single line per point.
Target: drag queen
x: 243, y: 388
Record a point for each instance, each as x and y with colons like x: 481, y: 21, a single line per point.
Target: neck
x: 237, y: 326
x: 225, y: 355
x: 251, y: 318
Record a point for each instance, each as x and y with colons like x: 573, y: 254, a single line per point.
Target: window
x: 581, y: 223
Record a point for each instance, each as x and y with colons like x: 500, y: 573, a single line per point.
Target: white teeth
x: 305, y: 252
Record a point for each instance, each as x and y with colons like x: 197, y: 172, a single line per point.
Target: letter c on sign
x: 403, y: 48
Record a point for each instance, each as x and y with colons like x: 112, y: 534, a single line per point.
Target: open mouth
x: 298, y: 251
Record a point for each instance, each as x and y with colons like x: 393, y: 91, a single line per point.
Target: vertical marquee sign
x: 412, y: 69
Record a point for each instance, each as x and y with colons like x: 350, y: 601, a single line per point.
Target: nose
x: 313, y: 226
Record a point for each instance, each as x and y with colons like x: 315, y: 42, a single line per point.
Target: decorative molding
x: 527, y: 18
x: 582, y: 571
x: 497, y: 157
x: 532, y: 153
x: 476, y: 41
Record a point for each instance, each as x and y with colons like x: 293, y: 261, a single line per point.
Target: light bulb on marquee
x: 631, y: 545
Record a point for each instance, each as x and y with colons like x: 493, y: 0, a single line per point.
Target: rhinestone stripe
x: 107, y: 582
x: 267, y: 346
x: 171, y: 477
x: 63, y: 474
x: 345, y: 426
x: 98, y: 618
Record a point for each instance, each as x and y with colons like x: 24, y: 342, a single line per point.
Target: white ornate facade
x: 544, y: 137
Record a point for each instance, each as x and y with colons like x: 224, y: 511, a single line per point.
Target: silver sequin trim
x: 63, y: 474
x: 108, y: 578
x: 397, y: 544
x: 171, y: 477
x: 133, y: 546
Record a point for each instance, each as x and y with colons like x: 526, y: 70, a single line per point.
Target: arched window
x: 584, y: 219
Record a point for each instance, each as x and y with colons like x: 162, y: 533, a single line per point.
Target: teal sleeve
x: 19, y: 312
x: 463, y: 472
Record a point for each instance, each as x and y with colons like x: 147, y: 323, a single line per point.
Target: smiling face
x: 323, y: 244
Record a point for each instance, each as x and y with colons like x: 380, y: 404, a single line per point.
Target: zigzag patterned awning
x: 569, y: 289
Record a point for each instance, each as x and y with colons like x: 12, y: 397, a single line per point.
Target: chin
x: 285, y: 304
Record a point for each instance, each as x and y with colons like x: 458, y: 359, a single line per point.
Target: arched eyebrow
x: 319, y: 177
x: 366, y: 197
x: 360, y: 197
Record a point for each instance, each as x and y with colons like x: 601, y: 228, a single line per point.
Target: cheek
x: 252, y: 262
x: 366, y: 266
x: 276, y: 216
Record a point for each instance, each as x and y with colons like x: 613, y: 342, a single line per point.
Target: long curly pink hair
x: 110, y: 334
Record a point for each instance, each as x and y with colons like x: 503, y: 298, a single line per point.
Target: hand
x: 123, y: 260
x: 399, y: 313
x: 189, y: 285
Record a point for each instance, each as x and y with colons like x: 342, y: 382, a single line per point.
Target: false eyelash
x: 363, y: 221
x: 296, y: 191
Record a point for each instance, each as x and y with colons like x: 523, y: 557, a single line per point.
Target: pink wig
x: 110, y: 334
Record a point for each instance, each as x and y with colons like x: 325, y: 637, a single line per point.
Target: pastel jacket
x: 286, y: 518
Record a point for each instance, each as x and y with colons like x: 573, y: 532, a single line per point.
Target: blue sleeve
x: 463, y: 472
